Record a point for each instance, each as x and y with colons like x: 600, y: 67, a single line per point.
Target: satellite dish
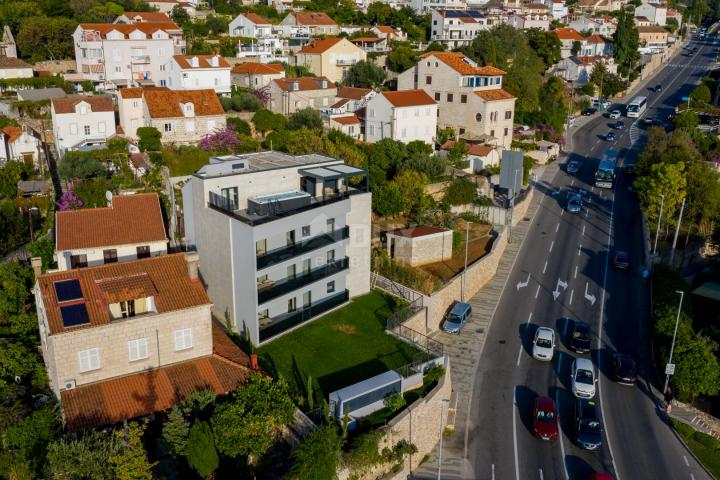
x: 108, y: 197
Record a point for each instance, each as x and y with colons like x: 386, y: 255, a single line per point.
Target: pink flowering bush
x: 221, y: 141
x: 69, y: 201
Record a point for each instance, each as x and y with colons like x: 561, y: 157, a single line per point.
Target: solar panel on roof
x: 73, y: 315
x: 68, y: 290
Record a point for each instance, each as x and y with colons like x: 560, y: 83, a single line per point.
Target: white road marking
x: 692, y: 477
x: 560, y: 433
x: 561, y: 212
x: 583, y: 232
x: 545, y: 267
x: 537, y: 292
x: 521, y: 347
x: 557, y: 227
x: 552, y: 244
x: 579, y: 249
x: 576, y: 269
x: 541, y: 474
x: 571, y: 295
x: 572, y: 183
x: 592, y: 189
x: 587, y: 213
x: 687, y: 464
x: 517, y: 468
x: 492, y: 471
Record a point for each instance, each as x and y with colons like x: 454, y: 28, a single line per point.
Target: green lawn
x: 705, y: 447
x: 341, y: 348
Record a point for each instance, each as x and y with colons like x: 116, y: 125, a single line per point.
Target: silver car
x: 456, y: 317
x: 615, y: 114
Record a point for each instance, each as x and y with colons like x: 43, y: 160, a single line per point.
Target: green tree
x: 92, y: 191
x: 42, y: 38
x: 28, y: 438
x: 626, y: 43
x: 365, y: 74
x: 79, y: 164
x: 103, y: 13
x: 553, y: 104
x: 10, y: 174
x: 12, y: 226
x: 703, y: 197
x: 379, y: 13
x: 15, y: 14
x: 701, y: 94
x: 179, y: 15
x: 697, y: 371
x: 201, y: 453
x: 294, y: 71
x: 175, y: 432
x: 45, y: 249
x: 387, y: 200
x: 576, y: 47
x: 384, y: 160
x: 305, y: 118
x: 686, y: 120
x: 266, y: 121
x: 216, y: 25
x: 458, y: 154
x: 401, y: 58
x: 246, y: 424
x: 667, y: 179
x: 80, y: 456
x: 318, y: 456
x: 460, y: 192
x: 131, y: 462
x: 241, y: 126
x: 546, y: 45
x: 149, y: 139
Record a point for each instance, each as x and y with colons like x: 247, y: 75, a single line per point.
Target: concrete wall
x: 421, y: 250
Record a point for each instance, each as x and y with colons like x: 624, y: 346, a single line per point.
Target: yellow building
x: 330, y: 57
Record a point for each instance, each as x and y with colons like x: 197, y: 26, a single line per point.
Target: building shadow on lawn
x: 357, y: 373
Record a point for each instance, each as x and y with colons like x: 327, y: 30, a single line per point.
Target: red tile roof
x: 166, y: 103
x: 203, y: 61
x: 494, y: 95
x: 138, y: 395
x: 132, y: 219
x: 595, y: 38
x: 304, y: 83
x: 167, y: 274
x: 149, y: 16
x: 472, y: 148
x: 313, y: 18
x: 462, y: 64
x: 98, y: 103
x: 353, y: 93
x: 13, y: 133
x: 126, y: 29
x: 10, y: 62
x: 409, y: 98
x: 366, y: 40
x: 567, y: 33
x: 256, y: 19
x: 321, y: 46
x: 351, y: 119
x: 388, y: 29
x: 255, y: 68
x: 652, y: 29
x: 415, y: 232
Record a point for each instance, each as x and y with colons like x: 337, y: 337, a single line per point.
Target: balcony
x: 346, y: 61
x: 279, y: 255
x: 281, y: 323
x: 140, y: 59
x: 287, y: 285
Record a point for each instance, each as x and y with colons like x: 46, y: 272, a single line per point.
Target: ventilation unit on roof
x: 69, y: 384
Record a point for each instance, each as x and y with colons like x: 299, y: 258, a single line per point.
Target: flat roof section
x: 258, y: 162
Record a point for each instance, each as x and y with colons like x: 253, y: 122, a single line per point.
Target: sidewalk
x: 700, y: 421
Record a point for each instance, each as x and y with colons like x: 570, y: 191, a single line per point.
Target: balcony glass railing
x: 279, y: 255
x: 289, y: 284
x: 286, y: 321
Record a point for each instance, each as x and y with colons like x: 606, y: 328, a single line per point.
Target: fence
x: 397, y: 289
x: 395, y: 325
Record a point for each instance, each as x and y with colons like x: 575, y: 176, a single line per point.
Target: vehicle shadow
x: 562, y: 362
x: 565, y: 405
x: 604, y: 366
x: 578, y: 469
x: 524, y: 397
x: 526, y: 331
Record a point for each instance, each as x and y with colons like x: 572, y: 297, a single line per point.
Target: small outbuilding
x: 420, y: 245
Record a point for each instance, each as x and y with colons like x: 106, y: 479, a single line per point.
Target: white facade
x: 457, y: 28
x: 266, y: 273
x: 528, y: 21
x: 95, y: 256
x: 16, y: 72
x: 198, y: 71
x: 422, y: 6
x: 81, y: 126
x: 558, y: 9
x: 19, y: 145
x: 131, y: 111
x: 249, y: 25
x: 403, y: 123
x: 654, y: 12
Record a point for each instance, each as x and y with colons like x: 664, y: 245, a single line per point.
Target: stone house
x: 11, y: 67
x: 420, y: 245
x: 653, y: 36
x: 371, y: 44
x: 287, y: 95
x: 330, y: 57
x: 479, y: 157
x: 348, y: 124
x: 190, y: 72
x: 142, y: 17
x: 250, y: 25
x: 578, y: 69
x: 183, y: 116
x: 166, y: 6
x: 389, y: 32
x: 655, y: 12
x: 527, y: 21
x: 255, y: 75
x: 568, y: 37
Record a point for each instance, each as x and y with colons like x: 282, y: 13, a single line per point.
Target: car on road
x: 574, y: 204
x: 621, y: 260
x: 619, y: 125
x: 649, y: 121
x: 658, y: 88
x: 457, y: 317
x: 580, y: 337
x: 544, y: 344
x: 573, y: 166
x: 615, y: 114
x: 588, y: 428
x: 589, y: 111
x: 624, y: 370
x: 570, y: 119
x: 582, y: 377
x: 610, y: 137
x: 600, y: 476
x: 545, y: 424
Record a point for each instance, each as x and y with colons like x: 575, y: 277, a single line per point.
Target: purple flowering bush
x: 221, y: 140
x: 69, y: 201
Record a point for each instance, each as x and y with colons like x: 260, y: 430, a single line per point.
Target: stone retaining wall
x: 55, y: 66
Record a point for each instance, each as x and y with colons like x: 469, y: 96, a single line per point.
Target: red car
x: 545, y: 425
x: 600, y: 476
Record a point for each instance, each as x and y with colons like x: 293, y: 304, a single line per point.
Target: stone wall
x: 55, y: 66
x: 437, y: 190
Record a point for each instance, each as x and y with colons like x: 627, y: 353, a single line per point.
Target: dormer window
x: 83, y: 110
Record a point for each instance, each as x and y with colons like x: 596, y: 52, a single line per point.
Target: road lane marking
x: 492, y: 471
x: 541, y: 474
x: 576, y: 268
x: 545, y: 267
x: 521, y: 345
x: 687, y: 464
x: 571, y: 296
x: 560, y: 432
x: 537, y: 291
x: 561, y: 212
x: 592, y: 189
x: 579, y: 249
x: 517, y: 463
x: 692, y: 477
x: 572, y: 183
x: 587, y: 213
x: 552, y: 244
x: 557, y: 227
x: 583, y: 230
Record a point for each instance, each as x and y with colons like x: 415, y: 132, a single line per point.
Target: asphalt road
x: 573, y: 250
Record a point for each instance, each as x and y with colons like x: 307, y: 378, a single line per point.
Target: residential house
x: 283, y: 5
x: 655, y: 12
x: 21, y: 145
x: 456, y: 28
x: 316, y: 23
x: 129, y: 228
x: 282, y: 239
x: 250, y: 25
x: 125, y: 340
x: 653, y: 36
x: 80, y: 120
x: 534, y: 9
x: 420, y: 245
x: 120, y: 54
x: 11, y: 67
x: 8, y: 48
x: 131, y: 110
x: 674, y: 16
x: 352, y: 99
x: 568, y: 38
x: 558, y: 8
x: 264, y: 50
x: 594, y: 6
x: 189, y: 72
x: 389, y: 33
x: 604, y: 26
x: 595, y: 45
x: 288, y: 95
x: 166, y: 6
x: 330, y: 57
x: 183, y: 116
x: 643, y: 22
x: 256, y: 75
x: 371, y: 44
x: 423, y: 6
x: 578, y: 69
x: 349, y: 124
x: 480, y: 157
x: 404, y: 115
x: 143, y: 17
x: 342, y: 116
x: 471, y: 98
x: 529, y: 20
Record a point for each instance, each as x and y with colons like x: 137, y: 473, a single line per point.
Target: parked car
x: 580, y: 337
x: 619, y: 125
x: 589, y: 111
x: 588, y: 428
x: 572, y: 167
x: 582, y: 377
x: 600, y: 476
x: 457, y: 317
x: 621, y: 261
x: 610, y: 137
x: 544, y: 344
x: 615, y: 114
x: 658, y: 88
x: 545, y: 424
x: 624, y: 370
x: 649, y: 121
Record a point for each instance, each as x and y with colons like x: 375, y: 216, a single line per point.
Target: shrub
x: 411, y: 277
x: 241, y: 126
x: 149, y: 139
x: 245, y: 102
x: 364, y: 451
x: 226, y: 103
x: 394, y: 402
x: 460, y: 192
x: 201, y: 453
x: 318, y: 456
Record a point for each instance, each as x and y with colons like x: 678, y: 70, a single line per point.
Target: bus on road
x: 636, y: 107
x: 605, y: 174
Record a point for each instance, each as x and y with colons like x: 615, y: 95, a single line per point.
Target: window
x: 183, y: 339
x: 331, y: 287
x: 127, y: 308
x: 89, y: 359
x: 505, y: 132
x: 260, y: 247
x: 371, y: 112
x: 118, y: 69
x: 163, y: 83
x: 290, y: 238
x: 325, y: 102
x: 143, y: 251
x: 306, y: 266
x: 162, y: 68
x: 86, y: 129
x: 330, y: 225
x: 450, y: 97
x: 168, y: 127
x: 307, y: 299
x: 508, y: 114
x: 403, y: 133
x: 292, y: 304
x: 231, y: 196
x: 83, y: 110
x: 462, y: 130
x: 331, y: 256
x: 137, y: 349
x: 492, y: 133
x: 306, y: 231
x: 291, y: 271
x: 110, y: 255
x: 478, y: 117
x: 463, y: 98
x: 78, y: 261
x: 161, y: 52
x: 428, y: 80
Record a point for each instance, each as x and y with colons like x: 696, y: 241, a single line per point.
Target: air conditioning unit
x: 69, y: 384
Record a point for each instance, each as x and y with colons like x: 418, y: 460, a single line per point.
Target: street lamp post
x: 657, y: 231
x: 443, y: 402
x: 464, y: 279
x: 672, y: 347
x: 677, y: 232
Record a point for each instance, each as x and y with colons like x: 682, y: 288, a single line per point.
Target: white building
x: 405, y: 115
x: 557, y: 8
x: 80, y: 121
x: 143, y: 17
x: 256, y: 75
x: 653, y: 11
x: 129, y: 228
x: 423, y: 6
x: 526, y: 21
x: 456, y: 28
x: 20, y: 145
x: 191, y: 72
x: 250, y: 25
x: 14, y: 68
x: 282, y: 239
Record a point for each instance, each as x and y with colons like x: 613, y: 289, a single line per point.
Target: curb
x: 682, y: 440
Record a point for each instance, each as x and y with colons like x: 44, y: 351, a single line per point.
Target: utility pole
x: 677, y: 231
x: 672, y: 347
x: 467, y: 242
x: 657, y: 232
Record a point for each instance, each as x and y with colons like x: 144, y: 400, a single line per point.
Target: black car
x: 619, y: 125
x: 589, y: 111
x: 572, y: 167
x: 610, y: 137
x: 658, y: 88
x: 621, y: 261
x: 588, y: 428
x: 649, y: 121
x: 580, y: 337
x: 624, y: 371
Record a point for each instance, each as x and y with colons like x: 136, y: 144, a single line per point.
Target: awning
x: 333, y: 172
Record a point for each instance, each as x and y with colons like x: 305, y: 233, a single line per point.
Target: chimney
x: 254, y: 361
x: 36, y: 263
x: 192, y: 259
x: 194, y: 62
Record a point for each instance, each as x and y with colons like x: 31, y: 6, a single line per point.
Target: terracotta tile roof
x: 166, y: 103
x: 462, y: 64
x: 567, y: 33
x: 586, y: 59
x: 256, y: 19
x: 13, y: 133
x: 651, y: 29
x: 126, y: 29
x: 167, y: 274
x: 494, y: 95
x: 640, y: 18
x: 346, y: 120
x: 388, y: 29
x: 340, y: 103
x: 313, y: 18
x: 9, y: 62
x: 367, y: 40
x: 149, y: 16
x: 122, y: 289
x: 98, y: 103
x: 139, y: 395
x: 415, y: 232
x: 353, y: 93
x: 132, y: 219
x: 130, y: 92
x: 409, y: 98
x: 321, y: 46
x: 472, y: 148
x: 203, y: 61
x: 255, y: 68
x: 595, y: 38
x: 304, y: 83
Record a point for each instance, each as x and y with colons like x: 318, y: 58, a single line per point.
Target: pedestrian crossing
x: 634, y: 133
x: 687, y: 65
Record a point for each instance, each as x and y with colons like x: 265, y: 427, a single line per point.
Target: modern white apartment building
x: 80, y: 120
x: 282, y: 239
x: 456, y: 28
x: 404, y: 115
x: 125, y: 54
x: 192, y: 72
